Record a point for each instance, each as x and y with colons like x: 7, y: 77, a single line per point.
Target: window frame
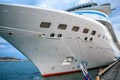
x: 59, y: 35
x: 45, y: 25
x: 52, y: 35
x: 86, y: 30
x: 62, y: 26
x: 75, y: 28
x: 93, y: 32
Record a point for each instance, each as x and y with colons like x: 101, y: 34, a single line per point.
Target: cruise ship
x: 53, y: 39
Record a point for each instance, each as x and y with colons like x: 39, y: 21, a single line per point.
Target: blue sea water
x: 27, y: 71
x: 19, y: 71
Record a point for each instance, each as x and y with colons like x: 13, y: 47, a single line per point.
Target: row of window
x: 74, y: 28
x: 64, y: 26
x: 102, y: 48
x: 80, y: 7
x: 60, y: 35
x: 86, y: 38
x: 103, y: 37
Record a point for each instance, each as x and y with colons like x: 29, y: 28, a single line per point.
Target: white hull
x: 21, y: 27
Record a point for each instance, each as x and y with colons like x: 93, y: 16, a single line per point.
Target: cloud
x: 56, y: 4
x: 12, y: 50
x: 2, y: 47
x: 117, y: 30
x: 2, y: 40
x: 115, y: 19
x: 84, y: 1
x: 116, y: 25
x: 118, y: 33
x: 27, y: 2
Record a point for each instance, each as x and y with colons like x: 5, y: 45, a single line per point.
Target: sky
x: 8, y: 50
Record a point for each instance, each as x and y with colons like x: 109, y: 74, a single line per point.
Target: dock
x: 113, y: 73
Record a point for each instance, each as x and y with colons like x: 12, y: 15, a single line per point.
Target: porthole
x: 91, y: 39
x: 59, y: 35
x: 10, y: 33
x: 85, y: 38
x: 52, y: 35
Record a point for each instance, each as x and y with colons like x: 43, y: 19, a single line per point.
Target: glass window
x: 93, y: 32
x: 106, y: 38
x: 85, y: 38
x: 85, y: 30
x: 59, y: 35
x: 45, y: 24
x: 52, y: 35
x: 62, y: 26
x: 103, y: 37
x: 98, y: 35
x: 91, y: 39
x: 75, y: 28
x: 10, y: 33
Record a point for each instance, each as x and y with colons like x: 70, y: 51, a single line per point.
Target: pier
x: 113, y: 73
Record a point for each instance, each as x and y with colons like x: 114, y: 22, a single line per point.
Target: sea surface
x: 27, y: 71
x: 19, y: 71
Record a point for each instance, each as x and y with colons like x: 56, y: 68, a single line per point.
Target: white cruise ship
x: 53, y: 39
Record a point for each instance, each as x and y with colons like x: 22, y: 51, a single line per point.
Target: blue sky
x: 8, y: 50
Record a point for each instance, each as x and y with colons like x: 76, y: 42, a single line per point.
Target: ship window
x: 90, y: 5
x: 62, y: 26
x: 98, y: 35
x: 79, y: 7
x: 78, y: 37
x: 59, y: 35
x: 106, y: 38
x: 52, y: 35
x: 85, y: 38
x: 91, y: 39
x: 86, y: 5
x: 45, y: 24
x: 85, y: 30
x: 103, y: 37
x: 93, y: 32
x: 75, y: 28
x: 10, y: 33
